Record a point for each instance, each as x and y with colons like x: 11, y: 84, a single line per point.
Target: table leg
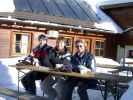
x: 18, y: 81
x: 106, y: 90
x: 117, y: 89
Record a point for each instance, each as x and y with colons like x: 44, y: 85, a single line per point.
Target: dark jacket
x: 61, y: 57
x: 44, y: 54
x: 84, y: 60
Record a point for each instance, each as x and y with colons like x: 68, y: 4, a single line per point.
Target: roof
x: 115, y: 3
x: 67, y: 9
x: 77, y: 13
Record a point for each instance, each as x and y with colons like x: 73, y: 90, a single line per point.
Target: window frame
x: 100, y: 48
x: 13, y: 43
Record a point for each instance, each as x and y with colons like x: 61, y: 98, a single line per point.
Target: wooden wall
x: 5, y: 42
x: 111, y: 47
x: 123, y: 16
x: 125, y: 39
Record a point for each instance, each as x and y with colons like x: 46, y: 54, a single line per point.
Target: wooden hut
x: 121, y: 13
x: 24, y: 20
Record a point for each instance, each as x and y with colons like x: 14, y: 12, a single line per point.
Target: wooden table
x: 99, y: 76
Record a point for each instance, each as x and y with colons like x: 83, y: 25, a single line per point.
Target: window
x: 130, y: 53
x: 88, y: 44
x: 21, y: 43
x: 99, y: 48
x: 69, y: 43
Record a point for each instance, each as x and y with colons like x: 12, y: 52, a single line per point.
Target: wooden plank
x: 101, y: 76
x: 31, y: 97
x: 10, y: 92
x: 20, y: 95
x: 4, y: 43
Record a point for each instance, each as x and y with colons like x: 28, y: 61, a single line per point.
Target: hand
x: 84, y: 71
x: 58, y: 66
x: 67, y: 68
x: 35, y: 62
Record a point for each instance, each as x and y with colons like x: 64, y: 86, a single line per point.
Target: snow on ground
x: 8, y: 76
x: 128, y: 95
x: 8, y: 79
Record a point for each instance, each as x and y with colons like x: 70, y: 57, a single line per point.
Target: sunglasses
x: 79, y: 46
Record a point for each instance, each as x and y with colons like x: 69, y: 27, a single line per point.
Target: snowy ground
x: 8, y: 79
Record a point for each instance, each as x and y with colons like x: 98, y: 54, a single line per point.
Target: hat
x: 42, y: 37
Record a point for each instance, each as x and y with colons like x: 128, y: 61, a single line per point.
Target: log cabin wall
x: 91, y: 40
x: 123, y: 16
x: 71, y: 36
x: 5, y: 42
x: 125, y: 39
x: 111, y: 47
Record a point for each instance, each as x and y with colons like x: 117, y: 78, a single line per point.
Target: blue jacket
x: 85, y: 60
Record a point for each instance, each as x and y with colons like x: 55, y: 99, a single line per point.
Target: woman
x: 61, y: 61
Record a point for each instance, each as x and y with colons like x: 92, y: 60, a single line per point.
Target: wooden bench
x: 31, y: 97
x: 20, y: 95
x: 9, y: 92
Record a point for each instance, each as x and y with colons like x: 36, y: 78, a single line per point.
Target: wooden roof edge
x: 47, y: 18
x: 111, y: 6
x: 80, y: 28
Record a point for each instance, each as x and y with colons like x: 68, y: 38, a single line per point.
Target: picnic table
x: 116, y: 79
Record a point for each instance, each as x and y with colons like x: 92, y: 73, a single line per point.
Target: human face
x: 61, y: 45
x: 80, y: 47
x: 42, y: 42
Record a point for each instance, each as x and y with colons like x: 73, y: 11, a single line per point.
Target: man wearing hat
x: 43, y: 53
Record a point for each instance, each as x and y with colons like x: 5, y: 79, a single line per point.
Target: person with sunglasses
x: 83, y: 62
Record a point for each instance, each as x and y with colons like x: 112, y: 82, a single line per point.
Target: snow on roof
x: 7, y: 6
x: 105, y: 21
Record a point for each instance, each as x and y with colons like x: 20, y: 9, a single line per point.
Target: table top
x: 100, y: 76
x: 129, y: 62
